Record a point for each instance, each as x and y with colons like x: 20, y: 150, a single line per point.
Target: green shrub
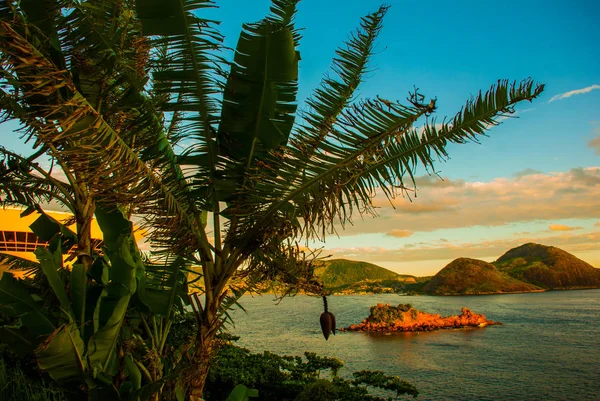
x: 293, y: 378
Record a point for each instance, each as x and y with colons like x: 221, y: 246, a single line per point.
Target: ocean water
x: 548, y: 347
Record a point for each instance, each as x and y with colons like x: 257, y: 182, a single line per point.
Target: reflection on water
x: 548, y: 347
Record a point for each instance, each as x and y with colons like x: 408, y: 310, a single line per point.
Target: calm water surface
x: 547, y: 349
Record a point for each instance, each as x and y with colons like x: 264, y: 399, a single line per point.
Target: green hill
x: 351, y: 275
x: 472, y: 276
x: 548, y: 267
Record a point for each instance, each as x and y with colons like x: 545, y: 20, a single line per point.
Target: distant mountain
x: 471, y: 276
x: 352, y: 276
x: 548, y: 267
x: 527, y: 268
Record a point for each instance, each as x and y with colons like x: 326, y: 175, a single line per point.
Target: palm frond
x: 373, y: 146
x: 137, y: 117
x: 185, y: 70
x: 85, y: 142
x: 17, y: 263
x: 185, y: 82
x: 23, y: 182
x: 164, y: 286
x: 336, y: 92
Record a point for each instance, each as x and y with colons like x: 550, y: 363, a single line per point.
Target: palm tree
x: 113, y: 91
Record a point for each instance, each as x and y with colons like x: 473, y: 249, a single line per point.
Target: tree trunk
x: 201, y: 362
x: 84, y: 215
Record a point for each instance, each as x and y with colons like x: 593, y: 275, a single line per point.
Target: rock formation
x: 386, y: 318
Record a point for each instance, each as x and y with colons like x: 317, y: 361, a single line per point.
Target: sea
x: 548, y: 347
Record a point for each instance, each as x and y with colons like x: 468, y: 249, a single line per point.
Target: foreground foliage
x: 85, y: 329
x: 283, y: 378
x: 136, y: 105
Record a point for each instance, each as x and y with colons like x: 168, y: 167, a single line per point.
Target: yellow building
x: 17, y: 239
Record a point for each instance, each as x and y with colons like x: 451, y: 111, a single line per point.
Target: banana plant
x: 76, y: 331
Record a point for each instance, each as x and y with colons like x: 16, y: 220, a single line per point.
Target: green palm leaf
x: 374, y: 145
x: 184, y: 75
x: 24, y: 182
x: 337, y: 91
x: 88, y: 144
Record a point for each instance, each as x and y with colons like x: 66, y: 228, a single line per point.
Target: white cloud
x: 565, y: 95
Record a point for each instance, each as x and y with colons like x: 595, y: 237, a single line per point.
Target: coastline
x: 442, y: 295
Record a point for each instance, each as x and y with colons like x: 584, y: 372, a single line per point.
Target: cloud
x: 594, y: 143
x: 586, y: 176
x: 447, y: 251
x: 527, y: 171
x: 399, y: 233
x: 574, y: 194
x: 416, y: 207
x: 597, y: 224
x: 565, y: 95
x: 563, y: 227
x: 435, y: 181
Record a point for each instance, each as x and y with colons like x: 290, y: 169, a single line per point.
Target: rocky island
x: 387, y: 318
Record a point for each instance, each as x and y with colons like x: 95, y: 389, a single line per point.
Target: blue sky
x: 536, y: 178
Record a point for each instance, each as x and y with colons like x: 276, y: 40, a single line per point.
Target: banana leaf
x: 126, y: 264
x: 102, y: 344
x: 50, y: 263
x: 46, y: 227
x: 19, y: 339
x: 260, y: 95
x: 62, y: 354
x: 242, y: 393
x: 17, y: 301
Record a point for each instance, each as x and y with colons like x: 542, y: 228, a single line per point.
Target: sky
x: 535, y: 179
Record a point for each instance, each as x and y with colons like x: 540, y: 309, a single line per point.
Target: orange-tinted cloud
x: 597, y: 224
x: 435, y: 181
x: 563, y: 227
x: 574, y: 194
x: 399, y: 233
x: 447, y: 251
x: 442, y: 205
